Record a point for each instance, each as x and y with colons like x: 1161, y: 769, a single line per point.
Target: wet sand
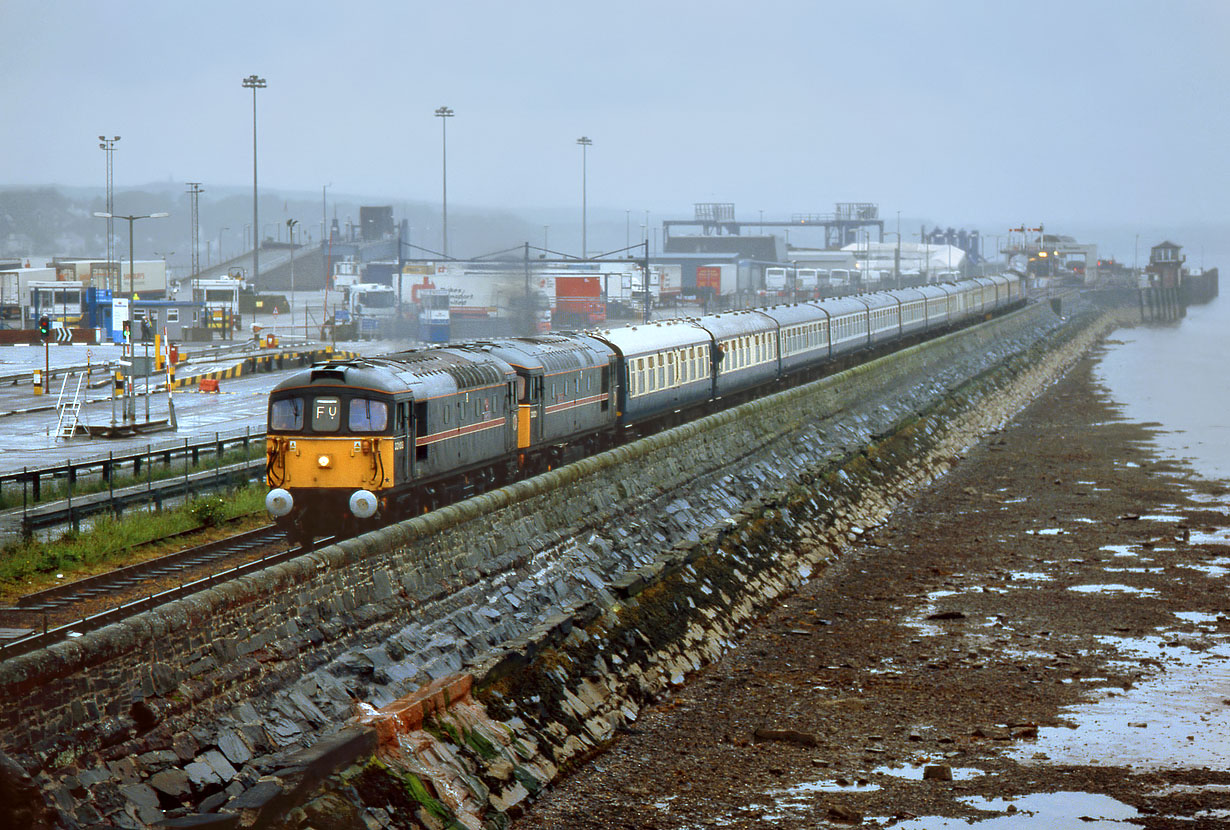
x: 1049, y: 625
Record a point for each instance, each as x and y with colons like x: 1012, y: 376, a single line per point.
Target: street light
x: 444, y: 113
x: 324, y: 218
x: 585, y: 143
x: 107, y: 145
x: 131, y: 220
x: 290, y: 231
x: 254, y: 83
x: 896, y: 258
x: 220, y: 230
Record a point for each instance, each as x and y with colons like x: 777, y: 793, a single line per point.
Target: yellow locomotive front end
x: 330, y: 458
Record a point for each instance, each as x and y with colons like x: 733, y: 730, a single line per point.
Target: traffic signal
x: 44, y: 327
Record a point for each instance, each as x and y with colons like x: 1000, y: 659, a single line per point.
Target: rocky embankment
x: 1043, y: 632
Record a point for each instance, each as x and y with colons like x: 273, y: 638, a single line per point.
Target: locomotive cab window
x: 367, y: 415
x: 286, y: 414
x: 326, y: 415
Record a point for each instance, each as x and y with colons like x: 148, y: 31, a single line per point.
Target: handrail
x: 101, y: 461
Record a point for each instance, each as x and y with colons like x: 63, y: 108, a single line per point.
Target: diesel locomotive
x: 352, y: 444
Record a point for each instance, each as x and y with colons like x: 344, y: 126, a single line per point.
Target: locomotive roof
x: 426, y: 372
x: 549, y: 352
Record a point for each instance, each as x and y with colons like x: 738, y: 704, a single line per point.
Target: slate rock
x: 234, y: 747
x: 173, y: 782
x: 218, y: 763
x: 142, y: 795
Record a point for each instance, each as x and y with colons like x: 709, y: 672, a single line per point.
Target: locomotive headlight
x: 323, y: 461
x: 279, y: 502
x: 363, y: 504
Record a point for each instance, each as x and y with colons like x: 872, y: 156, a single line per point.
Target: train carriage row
x: 373, y: 439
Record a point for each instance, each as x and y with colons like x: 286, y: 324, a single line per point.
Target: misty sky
x: 966, y: 111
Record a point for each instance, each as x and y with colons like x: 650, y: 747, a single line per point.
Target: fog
x: 1102, y: 115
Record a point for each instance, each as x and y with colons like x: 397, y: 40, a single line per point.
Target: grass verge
x: 112, y: 542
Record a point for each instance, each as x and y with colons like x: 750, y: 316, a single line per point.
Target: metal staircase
x: 70, y: 410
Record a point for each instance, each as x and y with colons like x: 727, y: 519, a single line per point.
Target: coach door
x: 403, y: 444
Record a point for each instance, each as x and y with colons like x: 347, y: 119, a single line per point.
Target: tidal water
x: 1178, y: 375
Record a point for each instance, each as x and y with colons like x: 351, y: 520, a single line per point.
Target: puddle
x: 1119, y: 550
x: 1158, y: 517
x: 916, y: 773
x: 1049, y: 531
x: 1199, y: 618
x: 801, y: 798
x: 1038, y: 811
x: 1212, y: 569
x: 1221, y: 536
x: 1206, y: 498
x: 1172, y: 718
x: 1111, y: 588
x: 1030, y: 576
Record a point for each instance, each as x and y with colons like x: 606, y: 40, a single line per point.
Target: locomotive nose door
x: 403, y: 444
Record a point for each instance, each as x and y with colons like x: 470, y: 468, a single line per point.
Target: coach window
x: 367, y: 415
x: 326, y: 415
x: 286, y: 414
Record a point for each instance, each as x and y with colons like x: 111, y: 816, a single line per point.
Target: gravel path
x: 1047, y: 625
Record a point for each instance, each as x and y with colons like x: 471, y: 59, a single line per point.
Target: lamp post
x: 220, y: 230
x: 132, y: 290
x: 585, y: 143
x: 107, y: 145
x: 290, y: 231
x: 444, y: 114
x: 546, y: 236
x: 896, y: 260
x: 131, y: 220
x: 323, y: 210
x: 254, y: 83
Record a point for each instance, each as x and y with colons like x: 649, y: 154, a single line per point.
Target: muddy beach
x: 1038, y: 640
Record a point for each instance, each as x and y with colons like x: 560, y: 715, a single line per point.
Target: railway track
x: 65, y: 611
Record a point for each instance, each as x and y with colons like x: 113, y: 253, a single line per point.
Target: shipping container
x: 578, y: 301
x: 717, y: 280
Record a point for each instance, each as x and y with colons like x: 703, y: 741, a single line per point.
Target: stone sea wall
x: 245, y: 701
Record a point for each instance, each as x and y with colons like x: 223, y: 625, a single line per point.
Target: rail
x: 49, y: 636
